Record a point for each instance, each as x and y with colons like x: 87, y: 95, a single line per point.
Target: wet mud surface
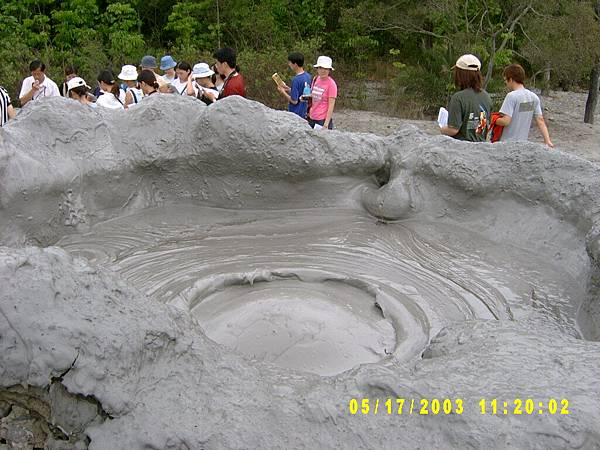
x: 229, y: 286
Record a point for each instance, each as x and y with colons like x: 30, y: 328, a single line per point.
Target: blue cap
x: 148, y: 62
x: 167, y: 62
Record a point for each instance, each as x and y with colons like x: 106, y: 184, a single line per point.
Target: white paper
x: 442, y: 117
x: 318, y: 127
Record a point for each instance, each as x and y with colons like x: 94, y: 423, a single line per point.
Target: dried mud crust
x: 563, y: 112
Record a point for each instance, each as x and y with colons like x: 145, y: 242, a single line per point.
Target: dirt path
x: 563, y: 112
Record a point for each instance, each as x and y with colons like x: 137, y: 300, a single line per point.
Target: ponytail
x: 148, y: 77
x: 116, y: 91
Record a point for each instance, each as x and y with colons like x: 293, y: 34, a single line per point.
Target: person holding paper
x: 38, y: 85
x: 301, y: 79
x: 469, y: 109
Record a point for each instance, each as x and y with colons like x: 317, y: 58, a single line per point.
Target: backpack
x: 495, y: 130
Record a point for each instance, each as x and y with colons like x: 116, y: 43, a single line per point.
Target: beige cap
x: 468, y: 62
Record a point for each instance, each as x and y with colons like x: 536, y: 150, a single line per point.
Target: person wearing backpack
x: 133, y: 94
x: 519, y: 108
x: 469, y: 109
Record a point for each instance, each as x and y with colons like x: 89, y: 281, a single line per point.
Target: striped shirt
x: 4, y: 104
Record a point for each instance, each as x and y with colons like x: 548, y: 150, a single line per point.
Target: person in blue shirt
x: 301, y: 80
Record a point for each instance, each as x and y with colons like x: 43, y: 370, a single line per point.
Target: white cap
x: 201, y: 70
x: 325, y: 62
x: 128, y: 73
x: 76, y: 82
x: 468, y: 62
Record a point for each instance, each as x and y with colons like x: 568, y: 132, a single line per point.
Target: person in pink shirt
x: 323, y: 94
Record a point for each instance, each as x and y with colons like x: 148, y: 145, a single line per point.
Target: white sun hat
x: 468, y: 62
x: 325, y: 62
x: 128, y: 73
x: 76, y: 82
x: 201, y: 70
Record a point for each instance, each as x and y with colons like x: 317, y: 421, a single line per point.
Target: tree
x: 592, y: 99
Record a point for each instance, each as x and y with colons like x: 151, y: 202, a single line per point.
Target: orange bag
x: 495, y: 130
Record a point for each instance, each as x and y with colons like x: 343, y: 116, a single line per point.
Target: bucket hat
x: 201, y: 70
x: 148, y: 62
x: 128, y: 73
x: 324, y: 62
x: 167, y: 62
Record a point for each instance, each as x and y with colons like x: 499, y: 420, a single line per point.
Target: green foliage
x: 188, y: 22
x: 121, y: 29
x: 411, y: 44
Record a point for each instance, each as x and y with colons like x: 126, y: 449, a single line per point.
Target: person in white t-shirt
x: 179, y: 85
x: 78, y: 90
x: 519, y: 108
x: 168, y: 65
x: 111, y: 96
x: 133, y: 94
x: 202, y: 84
x: 38, y: 85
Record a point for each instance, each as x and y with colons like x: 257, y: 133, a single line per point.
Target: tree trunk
x: 546, y: 79
x: 592, y: 100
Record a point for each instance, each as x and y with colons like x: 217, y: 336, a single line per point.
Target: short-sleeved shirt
x: 469, y: 112
x: 522, y: 106
x: 296, y: 91
x: 4, y: 104
x: 234, y: 85
x: 322, y: 91
x: 179, y: 86
x: 108, y: 100
x: 47, y: 89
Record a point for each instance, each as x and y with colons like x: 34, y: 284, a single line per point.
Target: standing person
x: 149, y: 63
x: 6, y: 108
x: 180, y: 84
x: 226, y: 65
x: 323, y: 94
x: 299, y: 82
x: 70, y: 73
x: 38, y: 85
x: 148, y: 83
x: 203, y: 84
x: 217, y: 79
x: 111, y: 96
x: 133, y: 94
x: 469, y: 109
x: 519, y: 107
x: 167, y: 65
x: 77, y: 89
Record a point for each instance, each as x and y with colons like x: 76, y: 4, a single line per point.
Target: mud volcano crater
x: 236, y: 279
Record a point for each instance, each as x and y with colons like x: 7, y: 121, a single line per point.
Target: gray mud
x: 227, y: 278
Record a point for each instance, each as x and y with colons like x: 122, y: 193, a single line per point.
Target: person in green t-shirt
x: 469, y: 109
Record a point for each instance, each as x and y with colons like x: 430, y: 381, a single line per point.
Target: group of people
x: 312, y: 98
x: 469, y: 110
x: 131, y: 86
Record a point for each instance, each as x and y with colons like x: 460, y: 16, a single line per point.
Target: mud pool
x: 225, y: 285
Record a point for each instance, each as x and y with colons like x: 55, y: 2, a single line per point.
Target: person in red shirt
x: 226, y: 65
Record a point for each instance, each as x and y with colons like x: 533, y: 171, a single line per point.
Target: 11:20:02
x: 528, y: 406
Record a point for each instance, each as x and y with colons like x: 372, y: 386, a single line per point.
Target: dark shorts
x: 312, y: 123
